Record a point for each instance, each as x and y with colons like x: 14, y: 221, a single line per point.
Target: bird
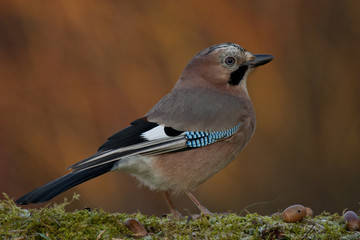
x: 193, y: 132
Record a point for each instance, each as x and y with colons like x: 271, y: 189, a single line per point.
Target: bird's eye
x: 230, y: 61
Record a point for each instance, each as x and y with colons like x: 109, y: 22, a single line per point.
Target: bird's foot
x: 201, y: 207
x: 176, y: 214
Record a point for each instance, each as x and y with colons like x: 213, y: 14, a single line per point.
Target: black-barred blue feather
x: 201, y: 139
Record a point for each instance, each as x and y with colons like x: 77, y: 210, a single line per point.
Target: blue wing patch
x: 197, y: 139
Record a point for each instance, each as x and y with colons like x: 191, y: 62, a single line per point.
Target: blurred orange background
x: 72, y: 73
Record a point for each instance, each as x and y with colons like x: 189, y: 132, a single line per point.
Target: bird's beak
x: 259, y: 60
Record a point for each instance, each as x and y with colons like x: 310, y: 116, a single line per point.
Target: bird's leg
x: 202, y: 208
x: 170, y: 204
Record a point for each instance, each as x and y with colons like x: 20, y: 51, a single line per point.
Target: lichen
x: 54, y: 222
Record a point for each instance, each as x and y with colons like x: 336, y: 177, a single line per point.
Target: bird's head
x: 223, y: 66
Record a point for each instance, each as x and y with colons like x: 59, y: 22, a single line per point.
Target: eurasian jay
x: 188, y: 136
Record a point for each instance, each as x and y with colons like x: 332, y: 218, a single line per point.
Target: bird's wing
x: 141, y: 138
x: 147, y: 139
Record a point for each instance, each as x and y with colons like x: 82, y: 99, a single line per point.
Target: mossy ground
x: 53, y: 222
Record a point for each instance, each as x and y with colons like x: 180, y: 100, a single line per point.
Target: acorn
x: 352, y: 221
x: 294, y: 213
x: 136, y: 227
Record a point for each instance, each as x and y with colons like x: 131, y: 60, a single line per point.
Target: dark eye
x: 230, y: 61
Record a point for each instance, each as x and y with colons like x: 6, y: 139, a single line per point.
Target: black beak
x: 259, y: 60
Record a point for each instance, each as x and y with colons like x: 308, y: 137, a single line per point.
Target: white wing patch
x: 155, y: 133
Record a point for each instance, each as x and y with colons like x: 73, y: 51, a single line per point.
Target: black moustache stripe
x: 238, y: 75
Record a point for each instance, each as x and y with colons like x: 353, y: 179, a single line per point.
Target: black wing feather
x: 128, y: 136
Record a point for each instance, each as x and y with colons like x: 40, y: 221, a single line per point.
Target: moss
x: 53, y: 222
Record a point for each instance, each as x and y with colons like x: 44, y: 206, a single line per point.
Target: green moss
x: 53, y: 222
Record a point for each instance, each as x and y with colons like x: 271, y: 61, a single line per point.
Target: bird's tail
x: 60, y: 185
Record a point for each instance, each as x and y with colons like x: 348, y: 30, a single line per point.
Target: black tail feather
x: 60, y: 185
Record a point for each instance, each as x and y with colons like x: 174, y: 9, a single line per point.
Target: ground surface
x: 53, y: 222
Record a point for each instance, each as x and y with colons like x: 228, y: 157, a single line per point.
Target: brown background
x: 75, y: 72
